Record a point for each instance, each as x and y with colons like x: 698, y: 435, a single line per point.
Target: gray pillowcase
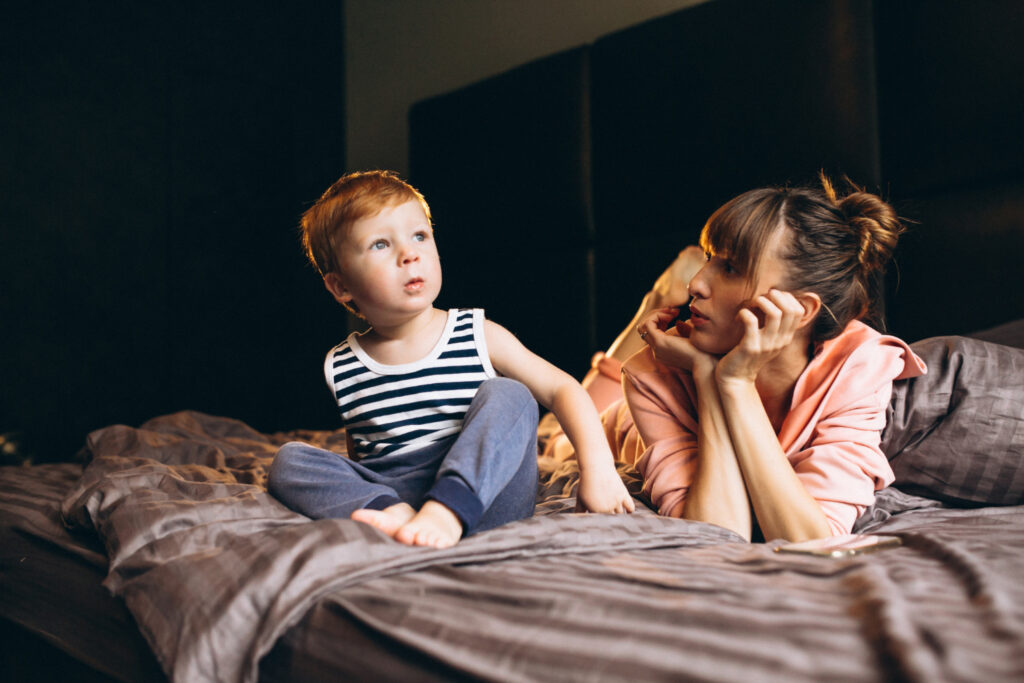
x: 957, y: 433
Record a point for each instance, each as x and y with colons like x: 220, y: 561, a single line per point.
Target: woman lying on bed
x: 762, y: 412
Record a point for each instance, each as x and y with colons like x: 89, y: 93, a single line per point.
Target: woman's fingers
x: 664, y: 316
x: 656, y: 322
x: 780, y: 314
x: 751, y: 324
x: 792, y: 311
x: 786, y: 302
x: 770, y: 323
x: 772, y: 316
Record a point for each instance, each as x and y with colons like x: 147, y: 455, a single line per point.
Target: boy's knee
x: 504, y: 386
x: 284, y: 463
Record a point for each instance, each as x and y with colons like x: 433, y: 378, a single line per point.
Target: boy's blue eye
x: 379, y: 244
x: 420, y: 237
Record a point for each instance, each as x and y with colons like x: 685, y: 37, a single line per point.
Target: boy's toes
x: 390, y: 520
x: 413, y: 534
x: 434, y: 526
x: 378, y: 520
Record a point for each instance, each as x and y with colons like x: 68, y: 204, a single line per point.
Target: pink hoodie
x: 831, y: 434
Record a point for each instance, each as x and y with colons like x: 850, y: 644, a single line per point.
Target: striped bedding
x: 226, y: 584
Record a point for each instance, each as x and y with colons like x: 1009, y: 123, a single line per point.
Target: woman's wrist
x: 732, y: 384
x: 704, y: 370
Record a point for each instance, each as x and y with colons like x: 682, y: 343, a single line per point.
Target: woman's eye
x: 379, y: 244
x: 723, y: 263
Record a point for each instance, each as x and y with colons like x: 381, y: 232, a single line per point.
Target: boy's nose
x: 408, y: 255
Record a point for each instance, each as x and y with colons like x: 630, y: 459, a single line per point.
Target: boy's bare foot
x: 670, y: 289
x: 389, y: 520
x: 434, y: 525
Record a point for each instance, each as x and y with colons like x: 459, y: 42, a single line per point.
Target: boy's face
x: 389, y: 266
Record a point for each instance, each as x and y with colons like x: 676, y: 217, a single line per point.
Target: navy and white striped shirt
x: 400, y: 408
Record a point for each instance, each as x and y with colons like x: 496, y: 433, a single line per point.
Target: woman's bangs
x: 740, y: 229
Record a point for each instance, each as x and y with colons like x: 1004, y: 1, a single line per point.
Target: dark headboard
x: 504, y: 166
x: 951, y: 102
x: 697, y: 107
x: 562, y: 188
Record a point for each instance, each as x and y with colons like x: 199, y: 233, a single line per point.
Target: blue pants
x: 486, y: 475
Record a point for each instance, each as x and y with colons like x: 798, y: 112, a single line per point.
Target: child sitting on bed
x: 438, y: 405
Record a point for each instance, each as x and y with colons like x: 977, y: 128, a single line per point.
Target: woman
x: 763, y: 411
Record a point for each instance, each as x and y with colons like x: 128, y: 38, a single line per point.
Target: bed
x: 163, y: 557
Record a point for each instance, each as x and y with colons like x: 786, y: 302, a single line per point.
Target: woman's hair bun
x: 873, y: 221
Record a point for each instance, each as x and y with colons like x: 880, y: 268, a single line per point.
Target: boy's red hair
x: 351, y: 197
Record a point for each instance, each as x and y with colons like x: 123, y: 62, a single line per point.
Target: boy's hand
x: 603, y: 491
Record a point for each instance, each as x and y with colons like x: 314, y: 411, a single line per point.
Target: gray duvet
x: 215, y: 572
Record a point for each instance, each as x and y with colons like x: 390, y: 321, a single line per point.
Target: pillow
x: 957, y: 433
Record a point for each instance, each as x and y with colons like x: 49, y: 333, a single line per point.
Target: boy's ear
x: 334, y: 285
x: 811, y: 303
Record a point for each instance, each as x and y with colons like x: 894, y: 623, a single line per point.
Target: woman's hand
x: 761, y: 342
x: 671, y: 345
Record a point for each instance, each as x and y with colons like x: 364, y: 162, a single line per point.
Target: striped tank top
x: 400, y: 408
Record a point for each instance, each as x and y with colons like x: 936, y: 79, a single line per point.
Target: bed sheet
x: 58, y: 620
x: 215, y: 572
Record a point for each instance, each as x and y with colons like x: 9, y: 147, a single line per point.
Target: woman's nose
x: 698, y: 286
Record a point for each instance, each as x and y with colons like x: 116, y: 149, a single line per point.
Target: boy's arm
x: 601, y: 489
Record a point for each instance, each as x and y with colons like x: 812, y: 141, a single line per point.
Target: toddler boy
x: 440, y: 407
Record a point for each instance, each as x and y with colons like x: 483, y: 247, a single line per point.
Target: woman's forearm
x: 717, y: 494
x: 781, y: 504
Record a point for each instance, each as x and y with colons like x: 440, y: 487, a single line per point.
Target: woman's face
x: 719, y: 291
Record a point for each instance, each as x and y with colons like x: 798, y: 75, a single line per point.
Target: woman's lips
x: 697, y: 318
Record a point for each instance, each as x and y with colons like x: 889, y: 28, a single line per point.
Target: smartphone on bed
x: 846, y: 545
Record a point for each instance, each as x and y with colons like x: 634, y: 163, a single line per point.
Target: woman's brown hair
x: 835, y: 246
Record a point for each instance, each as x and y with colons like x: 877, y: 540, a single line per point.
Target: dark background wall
x: 951, y: 102
x: 722, y: 98
x: 399, y: 52
x: 154, y: 161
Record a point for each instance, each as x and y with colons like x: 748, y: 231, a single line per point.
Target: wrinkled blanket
x: 215, y: 570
